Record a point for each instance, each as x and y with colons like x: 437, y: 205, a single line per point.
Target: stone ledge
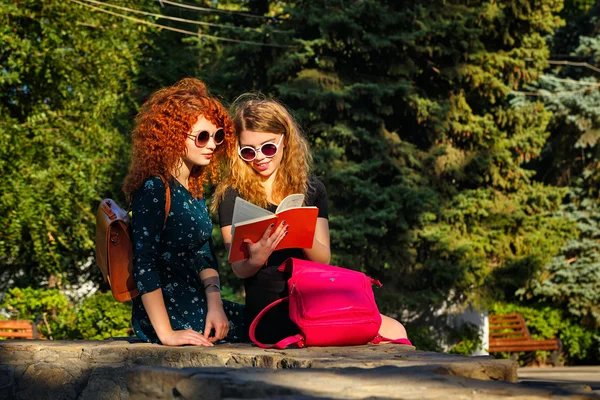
x: 390, y: 382
x: 98, y: 369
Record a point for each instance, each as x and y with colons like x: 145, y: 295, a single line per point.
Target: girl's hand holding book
x: 261, y: 250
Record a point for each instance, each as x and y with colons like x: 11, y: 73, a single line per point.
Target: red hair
x: 161, y: 129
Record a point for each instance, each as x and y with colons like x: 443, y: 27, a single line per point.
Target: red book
x: 251, y: 222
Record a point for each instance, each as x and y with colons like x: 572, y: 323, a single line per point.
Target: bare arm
x: 213, y: 295
x: 155, y: 308
x: 215, y: 317
x: 320, y: 251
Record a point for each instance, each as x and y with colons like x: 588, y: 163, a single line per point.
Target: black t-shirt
x: 269, y: 284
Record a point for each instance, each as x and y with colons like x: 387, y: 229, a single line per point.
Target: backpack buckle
x: 114, y: 238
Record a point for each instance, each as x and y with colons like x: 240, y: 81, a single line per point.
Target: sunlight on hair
x: 255, y: 112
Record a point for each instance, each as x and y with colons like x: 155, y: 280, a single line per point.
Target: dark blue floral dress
x: 170, y: 256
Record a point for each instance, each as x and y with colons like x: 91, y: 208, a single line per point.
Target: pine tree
x: 571, y: 281
x: 571, y: 157
x: 408, y: 107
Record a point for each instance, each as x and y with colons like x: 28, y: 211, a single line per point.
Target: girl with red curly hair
x: 181, y: 138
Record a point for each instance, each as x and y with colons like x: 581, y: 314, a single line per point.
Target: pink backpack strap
x: 378, y: 339
x: 296, y: 339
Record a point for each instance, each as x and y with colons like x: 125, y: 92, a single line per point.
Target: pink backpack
x: 332, y: 306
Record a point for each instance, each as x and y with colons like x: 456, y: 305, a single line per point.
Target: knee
x: 392, y: 329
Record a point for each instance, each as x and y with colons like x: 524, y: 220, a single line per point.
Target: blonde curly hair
x: 256, y: 113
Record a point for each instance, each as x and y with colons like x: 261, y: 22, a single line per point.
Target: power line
x: 163, y: 16
x: 197, y: 34
x: 173, y: 18
x: 214, y: 10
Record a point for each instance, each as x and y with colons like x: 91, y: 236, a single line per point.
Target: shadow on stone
x: 121, y: 369
x: 383, y: 382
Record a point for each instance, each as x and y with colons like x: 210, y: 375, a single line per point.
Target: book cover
x: 250, y: 222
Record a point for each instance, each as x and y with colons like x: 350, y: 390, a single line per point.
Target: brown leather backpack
x: 114, y: 251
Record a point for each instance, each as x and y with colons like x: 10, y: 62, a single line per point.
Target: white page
x: 244, y: 210
x: 292, y: 201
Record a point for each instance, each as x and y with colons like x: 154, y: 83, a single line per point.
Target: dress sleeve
x: 226, y: 207
x: 148, y: 217
x: 206, y: 258
x: 317, y: 196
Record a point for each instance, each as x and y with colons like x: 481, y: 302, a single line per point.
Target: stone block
x: 119, y: 370
x: 7, y: 382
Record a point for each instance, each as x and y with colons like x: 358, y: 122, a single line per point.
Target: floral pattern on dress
x: 171, y: 256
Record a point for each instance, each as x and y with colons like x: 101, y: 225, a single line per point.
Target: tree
x: 571, y: 157
x: 407, y: 106
x: 65, y: 104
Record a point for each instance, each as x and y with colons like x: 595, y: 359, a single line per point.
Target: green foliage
x: 571, y: 280
x: 98, y: 317
x: 546, y: 321
x: 467, y: 338
x: 414, y: 135
x: 423, y: 338
x: 227, y: 293
x: 102, y: 317
x: 65, y: 92
x: 482, y: 234
x: 49, y: 308
x: 572, y: 154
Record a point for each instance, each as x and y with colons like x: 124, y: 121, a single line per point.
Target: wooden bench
x: 509, y: 334
x: 21, y: 329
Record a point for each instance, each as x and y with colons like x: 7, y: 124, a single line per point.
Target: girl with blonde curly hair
x: 273, y: 161
x: 181, y: 138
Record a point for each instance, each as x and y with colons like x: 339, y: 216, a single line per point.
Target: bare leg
x: 391, y: 329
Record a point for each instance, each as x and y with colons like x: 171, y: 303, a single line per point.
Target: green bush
x: 467, y: 338
x: 98, y: 317
x: 423, y: 338
x: 102, y: 317
x: 227, y: 293
x: 56, y: 318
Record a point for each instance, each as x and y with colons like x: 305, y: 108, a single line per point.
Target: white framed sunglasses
x: 269, y: 150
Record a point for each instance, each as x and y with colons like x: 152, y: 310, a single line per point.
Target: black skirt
x: 264, y: 288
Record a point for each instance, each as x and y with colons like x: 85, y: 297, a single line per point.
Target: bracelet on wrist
x: 212, y: 285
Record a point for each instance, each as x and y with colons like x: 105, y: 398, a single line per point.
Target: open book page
x: 244, y: 211
x: 291, y: 201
